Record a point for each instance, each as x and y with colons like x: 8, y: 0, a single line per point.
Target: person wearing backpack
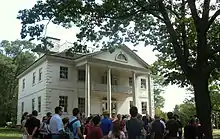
x: 74, y: 125
x: 44, y: 129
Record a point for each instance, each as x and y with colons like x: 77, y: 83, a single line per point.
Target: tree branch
x: 179, y: 54
x: 212, y: 19
x: 183, y: 29
x: 215, y: 64
x: 205, y: 13
x: 149, y: 11
x: 194, y: 13
x: 213, y: 51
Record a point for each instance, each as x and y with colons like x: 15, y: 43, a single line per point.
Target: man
x: 172, y: 126
x: 180, y: 132
x: 32, y: 125
x: 74, y: 125
x: 106, y: 124
x: 56, y: 124
x: 134, y: 126
x: 158, y: 128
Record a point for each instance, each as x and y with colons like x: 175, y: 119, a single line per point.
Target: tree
x: 158, y: 82
x: 184, y: 33
x: 184, y: 111
x: 14, y: 58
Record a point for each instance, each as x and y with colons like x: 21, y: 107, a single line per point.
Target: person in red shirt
x: 95, y: 131
x: 88, y: 125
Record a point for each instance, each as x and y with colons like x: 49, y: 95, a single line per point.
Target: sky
x: 10, y: 30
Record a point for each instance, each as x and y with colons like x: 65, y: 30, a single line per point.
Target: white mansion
x: 93, y: 82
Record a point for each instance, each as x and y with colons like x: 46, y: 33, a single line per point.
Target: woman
x: 95, y: 131
x: 88, y: 125
x: 116, y: 133
x: 24, y: 119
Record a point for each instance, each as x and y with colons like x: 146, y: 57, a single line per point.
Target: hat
x: 105, y: 113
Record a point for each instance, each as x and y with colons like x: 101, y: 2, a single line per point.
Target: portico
x: 111, y: 83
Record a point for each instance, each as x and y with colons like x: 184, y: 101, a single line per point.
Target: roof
x: 123, y: 47
x: 80, y: 56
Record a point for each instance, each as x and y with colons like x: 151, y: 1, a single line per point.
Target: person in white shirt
x: 56, y: 124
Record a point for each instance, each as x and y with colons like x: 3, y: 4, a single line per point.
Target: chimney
x: 55, y: 42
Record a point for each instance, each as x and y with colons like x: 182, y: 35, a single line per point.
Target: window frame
x: 81, y: 75
x: 64, y: 71
x: 65, y: 103
x: 81, y: 104
x: 33, y: 104
x: 144, y: 107
x: 130, y: 81
x: 143, y: 84
x: 40, y: 74
x: 39, y: 104
x: 34, y: 78
x: 23, y: 84
x: 22, y: 108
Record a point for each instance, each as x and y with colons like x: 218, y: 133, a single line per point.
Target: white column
x: 150, y: 95
x: 109, y: 92
x: 87, y: 90
x: 134, y: 89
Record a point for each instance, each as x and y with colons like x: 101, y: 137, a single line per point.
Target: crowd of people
x: 132, y: 126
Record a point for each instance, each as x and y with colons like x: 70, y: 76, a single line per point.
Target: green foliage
x: 15, y: 57
x: 184, y: 111
x: 158, y: 92
x: 160, y: 113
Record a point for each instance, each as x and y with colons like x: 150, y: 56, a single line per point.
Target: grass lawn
x: 8, y: 133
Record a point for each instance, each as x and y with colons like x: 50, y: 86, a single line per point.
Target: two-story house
x: 95, y: 82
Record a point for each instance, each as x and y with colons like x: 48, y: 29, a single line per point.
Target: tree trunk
x: 203, y: 103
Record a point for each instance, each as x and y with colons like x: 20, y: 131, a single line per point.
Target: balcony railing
x: 103, y: 88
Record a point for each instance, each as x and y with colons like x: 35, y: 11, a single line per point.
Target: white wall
x: 32, y: 91
x: 51, y: 87
x: 53, y: 75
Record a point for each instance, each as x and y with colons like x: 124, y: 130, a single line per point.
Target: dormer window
x: 121, y: 57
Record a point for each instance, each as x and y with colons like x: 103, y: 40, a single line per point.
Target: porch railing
x: 103, y: 88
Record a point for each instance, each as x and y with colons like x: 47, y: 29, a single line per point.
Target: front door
x: 113, y: 106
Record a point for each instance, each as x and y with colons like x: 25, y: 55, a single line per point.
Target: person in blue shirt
x: 76, y: 132
x: 106, y: 124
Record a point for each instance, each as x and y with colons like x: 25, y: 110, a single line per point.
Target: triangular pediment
x: 122, y: 55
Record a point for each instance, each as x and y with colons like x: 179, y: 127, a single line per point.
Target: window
x: 81, y: 104
x: 34, y: 78
x: 104, y: 79
x: 39, y: 104
x: 40, y: 74
x: 130, y: 81
x: 22, y: 108
x: 144, y: 107
x: 33, y: 104
x: 143, y: 83
x: 121, y: 57
x: 64, y: 72
x: 131, y: 103
x: 23, y: 83
x: 63, y: 102
x: 81, y: 75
